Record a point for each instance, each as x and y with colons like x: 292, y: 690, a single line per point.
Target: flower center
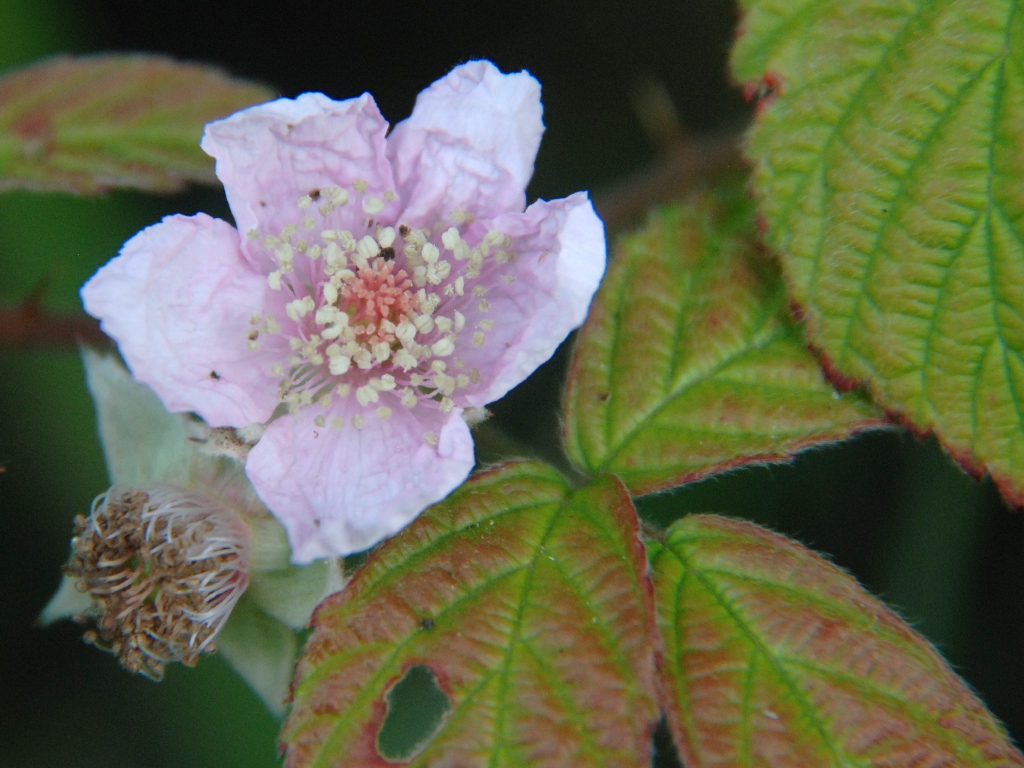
x: 379, y: 313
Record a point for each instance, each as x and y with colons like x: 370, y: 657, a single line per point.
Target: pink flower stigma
x: 376, y: 313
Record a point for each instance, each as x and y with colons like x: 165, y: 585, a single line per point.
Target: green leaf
x: 773, y: 656
x: 86, y: 124
x: 530, y: 606
x: 890, y: 169
x: 688, y: 363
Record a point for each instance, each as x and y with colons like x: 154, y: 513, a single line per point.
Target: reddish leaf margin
x: 776, y: 657
x: 86, y: 124
x: 689, y: 364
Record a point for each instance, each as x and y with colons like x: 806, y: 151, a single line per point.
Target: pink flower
x: 374, y: 290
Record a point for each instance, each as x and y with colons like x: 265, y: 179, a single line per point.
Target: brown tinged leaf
x: 689, y: 364
x: 529, y: 604
x: 775, y: 657
x: 89, y: 123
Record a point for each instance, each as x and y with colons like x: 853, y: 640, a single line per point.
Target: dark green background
x: 892, y: 509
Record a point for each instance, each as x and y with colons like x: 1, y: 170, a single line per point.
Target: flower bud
x: 163, y: 566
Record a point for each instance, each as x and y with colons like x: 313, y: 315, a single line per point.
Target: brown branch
x: 29, y: 326
x: 682, y: 168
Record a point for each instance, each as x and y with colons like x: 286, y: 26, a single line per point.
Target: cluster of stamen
x: 164, y: 567
x: 381, y: 314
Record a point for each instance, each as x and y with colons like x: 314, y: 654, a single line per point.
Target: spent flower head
x: 376, y: 294
x: 163, y: 566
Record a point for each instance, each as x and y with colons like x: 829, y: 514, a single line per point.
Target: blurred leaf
x: 86, y: 124
x: 688, y: 363
x: 530, y: 606
x: 776, y: 657
x: 890, y: 167
x: 261, y: 650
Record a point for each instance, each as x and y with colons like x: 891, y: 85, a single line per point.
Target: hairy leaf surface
x: 775, y: 657
x: 530, y: 606
x: 689, y: 364
x: 86, y: 124
x: 890, y: 167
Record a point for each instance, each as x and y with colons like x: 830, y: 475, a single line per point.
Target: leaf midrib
x: 500, y: 744
x: 917, y: 713
x: 810, y: 713
x: 767, y: 333
x: 383, y: 669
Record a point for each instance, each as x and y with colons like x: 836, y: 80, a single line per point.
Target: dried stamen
x: 164, y: 566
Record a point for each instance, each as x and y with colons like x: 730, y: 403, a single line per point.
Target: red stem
x: 28, y: 326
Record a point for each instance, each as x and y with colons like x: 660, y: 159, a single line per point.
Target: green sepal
x: 65, y: 603
x: 262, y: 650
x: 142, y: 442
x: 290, y: 594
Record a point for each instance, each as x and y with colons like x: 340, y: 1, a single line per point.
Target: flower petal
x: 537, y: 300
x: 270, y: 155
x: 339, y: 491
x: 469, y: 144
x: 177, y: 300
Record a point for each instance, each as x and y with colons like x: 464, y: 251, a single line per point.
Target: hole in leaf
x: 665, y: 753
x: 416, y: 711
x: 352, y: 562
